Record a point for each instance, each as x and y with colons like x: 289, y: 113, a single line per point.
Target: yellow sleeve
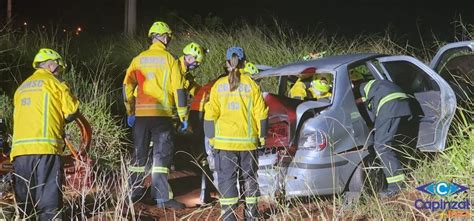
x: 260, y: 110
x: 298, y: 91
x: 15, y: 104
x: 69, y: 103
x: 212, y: 107
x: 179, y: 91
x: 129, y: 86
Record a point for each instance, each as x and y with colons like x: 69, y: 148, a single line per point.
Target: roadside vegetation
x: 96, y: 67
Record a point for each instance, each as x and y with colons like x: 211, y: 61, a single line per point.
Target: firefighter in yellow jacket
x: 236, y: 119
x: 318, y: 88
x: 160, y: 88
x: 193, y: 56
x: 43, y: 105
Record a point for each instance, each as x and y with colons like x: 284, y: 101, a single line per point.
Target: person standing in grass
x: 236, y: 120
x: 160, y: 88
x: 43, y: 105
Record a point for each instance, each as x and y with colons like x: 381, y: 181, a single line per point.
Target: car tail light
x: 278, y: 130
x: 277, y: 135
x: 313, y: 140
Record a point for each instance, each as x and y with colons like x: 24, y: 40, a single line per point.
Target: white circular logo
x: 442, y: 188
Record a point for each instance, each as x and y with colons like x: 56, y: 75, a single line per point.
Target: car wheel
x: 368, y: 177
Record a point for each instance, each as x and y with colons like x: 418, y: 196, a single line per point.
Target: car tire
x: 368, y: 177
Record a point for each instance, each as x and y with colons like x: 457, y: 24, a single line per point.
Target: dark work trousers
x: 38, y: 183
x: 160, y: 131
x: 387, y: 131
x: 227, y: 165
x: 197, y: 121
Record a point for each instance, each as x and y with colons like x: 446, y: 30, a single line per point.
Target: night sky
x: 335, y: 16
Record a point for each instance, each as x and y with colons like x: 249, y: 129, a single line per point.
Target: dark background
x: 409, y: 19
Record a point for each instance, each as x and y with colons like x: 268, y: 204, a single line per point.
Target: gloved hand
x: 184, y: 126
x: 262, y: 141
x: 131, y: 120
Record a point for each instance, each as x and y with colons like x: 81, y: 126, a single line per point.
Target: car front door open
x: 437, y: 102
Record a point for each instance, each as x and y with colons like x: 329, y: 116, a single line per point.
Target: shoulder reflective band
x: 209, y: 128
x: 228, y: 201
x: 136, y: 169
x: 392, y: 96
x: 159, y: 170
x: 395, y: 179
x: 251, y: 199
x: 367, y: 89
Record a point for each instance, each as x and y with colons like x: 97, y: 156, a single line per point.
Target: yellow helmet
x: 320, y: 85
x: 45, y: 54
x: 195, y: 50
x: 250, y: 68
x: 159, y: 28
x: 327, y: 77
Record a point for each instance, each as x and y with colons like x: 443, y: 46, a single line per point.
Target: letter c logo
x: 442, y: 189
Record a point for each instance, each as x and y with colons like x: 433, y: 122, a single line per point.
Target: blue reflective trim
x: 45, y: 114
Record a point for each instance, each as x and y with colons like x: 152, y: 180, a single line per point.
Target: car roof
x: 326, y: 63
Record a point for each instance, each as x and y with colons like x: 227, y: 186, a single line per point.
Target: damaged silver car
x: 322, y: 147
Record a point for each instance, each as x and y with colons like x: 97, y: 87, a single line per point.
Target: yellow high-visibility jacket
x: 299, y: 91
x: 43, y: 105
x: 159, y: 83
x: 190, y: 84
x: 238, y: 118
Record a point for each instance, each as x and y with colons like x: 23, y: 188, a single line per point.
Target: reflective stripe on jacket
x: 379, y: 93
x: 43, y: 105
x: 160, y: 85
x: 239, y: 116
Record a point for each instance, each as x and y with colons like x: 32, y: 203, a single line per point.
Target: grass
x: 96, y: 67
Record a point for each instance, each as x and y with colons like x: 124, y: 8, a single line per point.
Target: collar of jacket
x: 182, y: 65
x: 43, y: 71
x: 158, y: 46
